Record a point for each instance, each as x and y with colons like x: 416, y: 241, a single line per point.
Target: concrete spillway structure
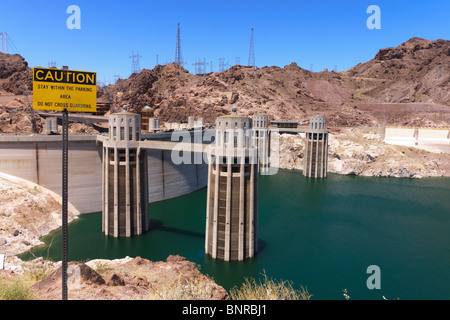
x: 125, y: 172
x: 261, y: 141
x: 231, y: 214
x: 316, y: 148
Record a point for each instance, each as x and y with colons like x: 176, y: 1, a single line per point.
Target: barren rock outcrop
x: 27, y: 212
x: 132, y: 279
x: 15, y: 75
x: 354, y: 152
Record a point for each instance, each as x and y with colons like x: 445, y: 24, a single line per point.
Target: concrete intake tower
x: 231, y: 213
x: 316, y: 148
x: 125, y: 189
x: 261, y: 141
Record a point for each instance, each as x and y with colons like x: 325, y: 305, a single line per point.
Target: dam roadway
x: 82, y: 118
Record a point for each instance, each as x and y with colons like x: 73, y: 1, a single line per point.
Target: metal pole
x: 65, y: 182
x: 65, y: 158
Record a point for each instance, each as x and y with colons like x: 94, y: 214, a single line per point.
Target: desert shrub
x: 13, y: 289
x: 268, y: 289
x: 186, y: 288
x: 101, y: 268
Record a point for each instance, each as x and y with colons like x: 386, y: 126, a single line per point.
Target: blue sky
x: 323, y: 33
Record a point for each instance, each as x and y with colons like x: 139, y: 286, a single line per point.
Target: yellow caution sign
x: 58, y: 89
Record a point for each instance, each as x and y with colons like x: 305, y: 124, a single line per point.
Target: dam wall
x: 38, y: 159
x: 168, y: 180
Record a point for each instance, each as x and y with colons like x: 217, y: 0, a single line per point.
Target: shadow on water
x: 261, y: 245
x: 159, y: 225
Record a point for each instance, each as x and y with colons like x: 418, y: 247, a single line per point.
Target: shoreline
x: 357, y: 152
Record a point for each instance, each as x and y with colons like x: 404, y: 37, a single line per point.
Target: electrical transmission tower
x: 52, y: 64
x: 178, y: 56
x: 4, y: 42
x: 221, y: 64
x: 237, y: 60
x: 200, y: 66
x: 197, y: 67
x: 251, y: 54
x: 135, y: 66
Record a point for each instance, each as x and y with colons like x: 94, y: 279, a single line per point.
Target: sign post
x: 65, y: 180
x: 64, y: 90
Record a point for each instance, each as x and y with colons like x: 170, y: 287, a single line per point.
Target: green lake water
x: 321, y: 234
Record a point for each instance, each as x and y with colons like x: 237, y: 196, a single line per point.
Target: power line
x: 13, y: 44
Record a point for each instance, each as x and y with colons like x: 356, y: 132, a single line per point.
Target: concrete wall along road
x: 430, y: 139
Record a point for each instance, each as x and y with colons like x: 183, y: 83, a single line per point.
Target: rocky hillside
x: 405, y: 85
x: 283, y: 93
x: 15, y: 75
x: 417, y: 71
